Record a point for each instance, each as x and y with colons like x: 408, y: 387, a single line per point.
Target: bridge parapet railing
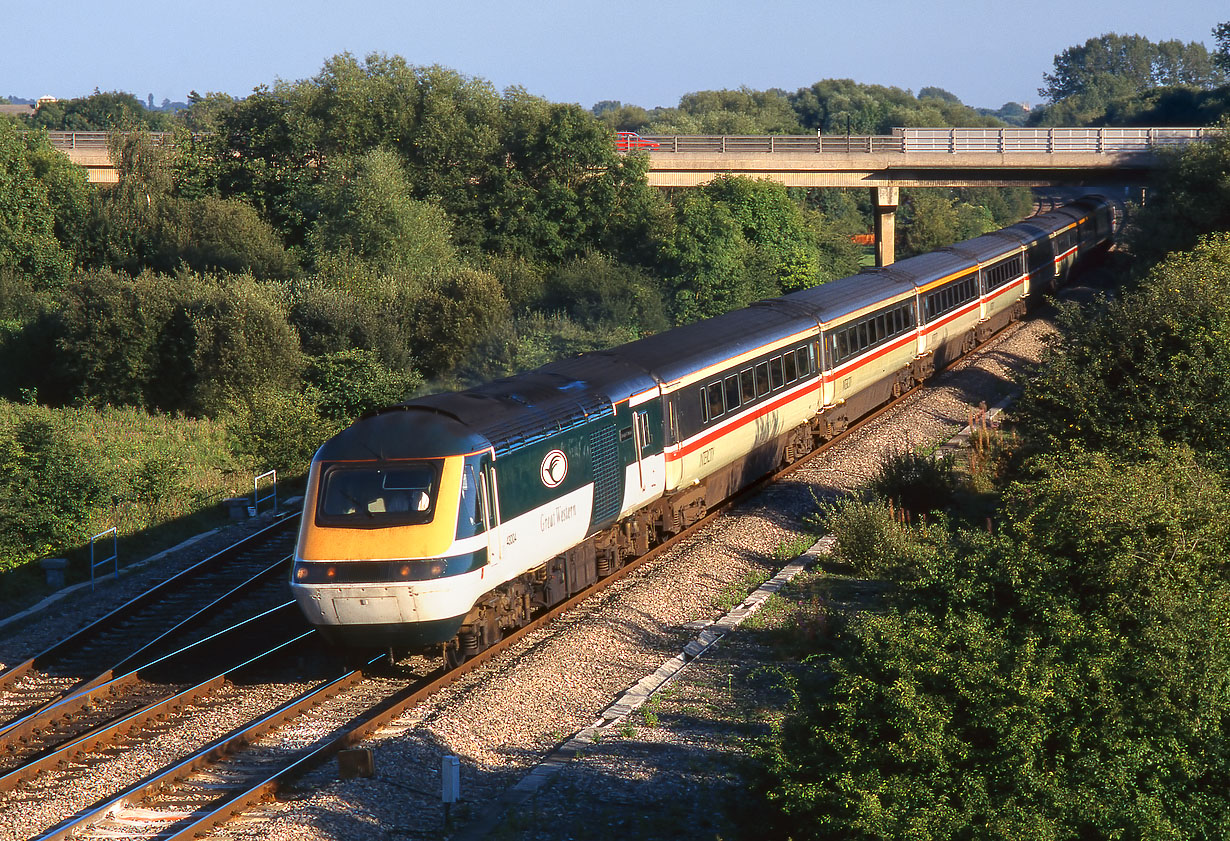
x: 1045, y: 140
x: 775, y: 143
x: 95, y: 139
x: 938, y: 141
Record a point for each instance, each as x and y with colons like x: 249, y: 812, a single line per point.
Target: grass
x: 733, y: 594
x: 158, y: 479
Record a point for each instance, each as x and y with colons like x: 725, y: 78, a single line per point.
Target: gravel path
x: 675, y: 768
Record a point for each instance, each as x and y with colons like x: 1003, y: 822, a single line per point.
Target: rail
x: 1003, y: 141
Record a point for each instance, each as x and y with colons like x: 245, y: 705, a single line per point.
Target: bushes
x: 185, y: 344
x: 1150, y: 364
x: 349, y: 382
x: 597, y: 291
x: 49, y: 489
x: 1066, y: 678
x: 66, y: 474
x: 277, y: 430
x: 42, y: 199
x: 918, y: 483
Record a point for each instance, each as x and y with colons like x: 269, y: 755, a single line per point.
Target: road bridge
x: 916, y: 157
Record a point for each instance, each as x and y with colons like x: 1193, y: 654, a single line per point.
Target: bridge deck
x: 910, y: 157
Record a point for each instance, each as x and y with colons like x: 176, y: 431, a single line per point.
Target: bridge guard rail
x: 1004, y: 141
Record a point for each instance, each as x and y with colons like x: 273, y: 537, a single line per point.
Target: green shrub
x: 597, y: 291
x: 347, y: 383
x: 869, y: 535
x: 187, y: 344
x: 278, y: 431
x: 915, y: 482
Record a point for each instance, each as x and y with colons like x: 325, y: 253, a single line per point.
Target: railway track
x: 242, y: 580
x: 191, y: 796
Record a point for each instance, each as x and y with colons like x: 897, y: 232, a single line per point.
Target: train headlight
x: 436, y: 569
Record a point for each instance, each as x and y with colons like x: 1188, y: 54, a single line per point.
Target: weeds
x: 733, y: 594
x: 917, y: 483
x: 990, y: 452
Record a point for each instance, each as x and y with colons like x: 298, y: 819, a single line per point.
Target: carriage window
x: 792, y: 373
x: 716, y: 407
x: 732, y: 393
x: 747, y: 385
x: 775, y: 370
x: 762, y: 379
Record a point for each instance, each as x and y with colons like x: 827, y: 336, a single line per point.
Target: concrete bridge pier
x: 885, y: 201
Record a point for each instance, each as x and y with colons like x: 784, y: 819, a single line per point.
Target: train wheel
x: 453, y: 655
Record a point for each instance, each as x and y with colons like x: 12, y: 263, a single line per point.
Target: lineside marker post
x: 450, y: 783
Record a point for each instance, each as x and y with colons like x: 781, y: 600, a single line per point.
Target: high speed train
x: 447, y: 520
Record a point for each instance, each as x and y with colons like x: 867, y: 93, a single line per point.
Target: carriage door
x: 480, y: 509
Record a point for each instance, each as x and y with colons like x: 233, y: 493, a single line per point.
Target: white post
x: 450, y: 783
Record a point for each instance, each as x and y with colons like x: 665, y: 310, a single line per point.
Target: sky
x: 987, y: 52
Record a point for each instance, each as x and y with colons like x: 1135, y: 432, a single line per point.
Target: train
x: 444, y: 522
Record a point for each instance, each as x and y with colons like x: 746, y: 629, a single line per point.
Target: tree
x: 1113, y: 70
x: 367, y: 212
x: 1190, y: 196
x: 1150, y: 364
x: 110, y: 111
x: 928, y: 221
x: 204, y: 113
x: 1065, y: 678
x: 841, y: 106
x: 939, y: 93
x: 258, y: 152
x: 335, y: 312
x: 188, y: 344
x: 1108, y: 65
x: 619, y: 117
x: 43, y: 200
x: 597, y: 291
x: 1221, y: 34
x: 774, y: 226
x: 562, y: 190
x: 210, y: 234
x: 350, y: 382
x: 705, y: 257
